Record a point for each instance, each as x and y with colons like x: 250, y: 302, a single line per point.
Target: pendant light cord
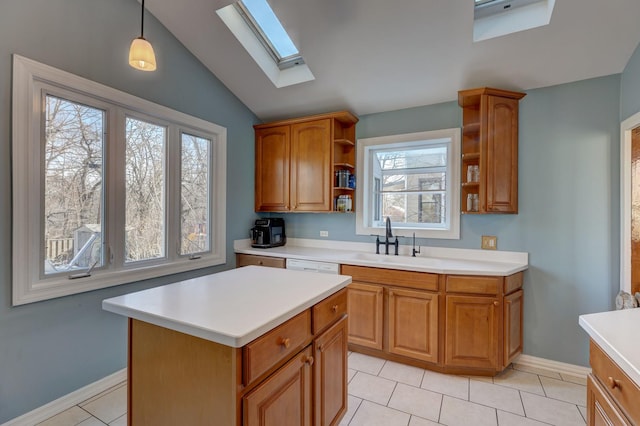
x: 142, y: 21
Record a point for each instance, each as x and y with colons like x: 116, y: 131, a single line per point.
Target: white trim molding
x: 74, y: 398
x: 625, y: 200
x: 552, y: 366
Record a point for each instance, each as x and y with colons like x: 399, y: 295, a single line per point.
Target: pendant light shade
x: 141, y: 54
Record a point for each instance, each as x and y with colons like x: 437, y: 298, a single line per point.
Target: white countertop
x: 616, y: 333
x: 436, y: 260
x: 232, y: 307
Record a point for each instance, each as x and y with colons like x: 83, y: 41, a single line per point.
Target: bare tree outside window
x: 145, y: 190
x: 73, y: 179
x: 195, y: 193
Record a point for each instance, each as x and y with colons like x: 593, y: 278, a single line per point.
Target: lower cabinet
x: 448, y: 323
x: 252, y: 259
x: 472, y: 328
x: 413, y: 324
x: 285, y: 398
x: 330, y: 374
x: 365, y: 315
x: 601, y: 410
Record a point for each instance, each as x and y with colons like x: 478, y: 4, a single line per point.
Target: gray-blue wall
x: 568, y: 203
x: 49, y: 349
x: 630, y: 87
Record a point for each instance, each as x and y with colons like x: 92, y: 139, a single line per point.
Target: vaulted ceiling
x: 379, y: 55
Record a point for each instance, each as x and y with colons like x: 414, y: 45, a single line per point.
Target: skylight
x: 260, y: 32
x: 495, y: 18
x: 264, y: 22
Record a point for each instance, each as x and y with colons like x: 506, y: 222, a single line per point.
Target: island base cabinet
x: 330, y: 375
x: 285, y: 398
x: 175, y: 371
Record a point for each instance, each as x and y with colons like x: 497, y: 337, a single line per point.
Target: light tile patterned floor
x: 386, y: 393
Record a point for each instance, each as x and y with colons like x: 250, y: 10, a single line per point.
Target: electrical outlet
x: 489, y: 242
x: 324, y: 233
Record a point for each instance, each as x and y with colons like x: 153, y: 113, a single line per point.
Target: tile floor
x: 386, y: 393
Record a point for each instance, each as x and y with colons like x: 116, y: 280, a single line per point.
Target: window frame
x: 365, y: 177
x: 31, y: 80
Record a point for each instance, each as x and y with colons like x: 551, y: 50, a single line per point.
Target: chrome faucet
x: 387, y: 240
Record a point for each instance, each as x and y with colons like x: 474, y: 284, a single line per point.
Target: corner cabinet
x: 489, y: 150
x: 296, y: 163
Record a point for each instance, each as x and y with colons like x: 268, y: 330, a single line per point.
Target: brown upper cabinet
x: 297, y: 161
x: 489, y: 150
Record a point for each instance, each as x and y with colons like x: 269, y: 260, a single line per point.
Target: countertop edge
x: 214, y: 336
x: 502, y: 268
x: 599, y: 338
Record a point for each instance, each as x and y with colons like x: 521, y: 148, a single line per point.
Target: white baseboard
x: 64, y: 403
x: 556, y: 366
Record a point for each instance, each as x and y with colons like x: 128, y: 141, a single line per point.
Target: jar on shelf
x: 344, y: 203
x: 342, y: 178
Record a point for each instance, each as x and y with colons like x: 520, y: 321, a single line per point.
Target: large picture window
x: 108, y: 188
x: 413, y: 180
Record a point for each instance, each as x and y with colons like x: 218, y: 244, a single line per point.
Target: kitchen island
x: 247, y: 346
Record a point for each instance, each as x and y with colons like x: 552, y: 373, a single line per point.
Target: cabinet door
x: 513, y: 305
x: 272, y: 168
x: 601, y: 410
x: 330, y: 375
x: 365, y: 315
x: 284, y: 398
x: 311, y: 171
x: 413, y: 324
x: 502, y: 155
x: 472, y: 332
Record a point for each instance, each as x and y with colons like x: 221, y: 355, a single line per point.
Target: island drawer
x: 625, y: 392
x: 267, y: 351
x: 473, y: 284
x: 329, y: 310
x: 395, y: 277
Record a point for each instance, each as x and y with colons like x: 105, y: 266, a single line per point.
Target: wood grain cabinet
x: 490, y: 147
x: 296, y: 161
x: 252, y: 259
x: 293, y: 375
x: 612, y: 397
x: 449, y: 323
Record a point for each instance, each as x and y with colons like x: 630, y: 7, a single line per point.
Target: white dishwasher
x: 313, y: 266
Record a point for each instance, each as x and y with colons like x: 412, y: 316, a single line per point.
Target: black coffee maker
x: 268, y: 233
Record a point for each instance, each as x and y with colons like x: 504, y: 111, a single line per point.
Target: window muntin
x: 195, y: 193
x: 414, y: 180
x: 145, y: 170
x: 73, y: 169
x: 32, y: 83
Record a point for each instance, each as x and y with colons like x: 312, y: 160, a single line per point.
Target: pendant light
x: 141, y: 54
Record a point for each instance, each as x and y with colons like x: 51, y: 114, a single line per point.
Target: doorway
x: 635, y: 210
x: 630, y: 204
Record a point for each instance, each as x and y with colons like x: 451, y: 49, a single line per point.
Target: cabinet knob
x: 285, y: 342
x: 613, y: 383
x: 334, y: 308
x: 309, y: 360
x: 260, y: 262
x: 496, y: 303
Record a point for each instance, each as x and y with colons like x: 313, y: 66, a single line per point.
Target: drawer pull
x: 285, y: 342
x: 613, y: 383
x: 260, y: 262
x: 309, y: 360
x: 334, y: 308
x: 496, y: 303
